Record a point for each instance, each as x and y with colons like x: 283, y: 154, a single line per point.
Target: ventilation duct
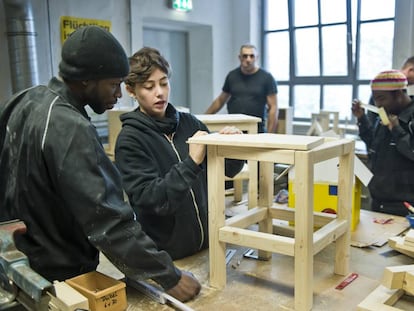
x: 21, y: 41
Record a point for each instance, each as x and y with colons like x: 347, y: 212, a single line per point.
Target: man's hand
x: 187, y: 288
x: 357, y: 110
x: 197, y: 152
x: 393, y: 121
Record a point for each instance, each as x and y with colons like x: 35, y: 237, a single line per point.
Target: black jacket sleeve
x: 365, y: 130
x: 404, y: 140
x: 91, y: 186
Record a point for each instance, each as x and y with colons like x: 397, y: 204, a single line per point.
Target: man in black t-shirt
x: 250, y: 90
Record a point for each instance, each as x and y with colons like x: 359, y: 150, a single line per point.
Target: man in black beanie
x: 56, y: 177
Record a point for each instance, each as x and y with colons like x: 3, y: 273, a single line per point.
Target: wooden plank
x: 238, y: 190
x: 245, y: 219
x: 216, y: 219
x: 262, y: 140
x: 383, y: 116
x: 288, y: 213
x: 408, y: 246
x: 409, y: 237
x: 409, y: 283
x: 266, y: 197
x: 238, y: 182
x: 253, y: 183
x: 369, y: 107
x: 345, y: 188
x: 257, y: 154
x: 408, y: 243
x: 332, y: 148
x: 259, y: 240
x: 393, y: 277
x: 282, y: 228
x: 222, y: 118
x: 304, y: 231
x: 381, y: 298
x: 397, y: 244
x: 328, y: 234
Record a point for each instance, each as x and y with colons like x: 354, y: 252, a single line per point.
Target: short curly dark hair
x: 143, y: 63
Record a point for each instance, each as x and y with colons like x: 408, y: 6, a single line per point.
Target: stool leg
x: 303, y: 232
x: 252, y: 198
x: 344, y: 210
x: 238, y: 190
x: 266, y: 200
x: 216, y: 218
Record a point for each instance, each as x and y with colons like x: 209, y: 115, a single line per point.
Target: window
x: 323, y: 53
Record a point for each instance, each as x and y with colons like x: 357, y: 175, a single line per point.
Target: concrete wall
x: 216, y: 29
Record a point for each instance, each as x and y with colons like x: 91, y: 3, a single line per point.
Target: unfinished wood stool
x: 303, y: 152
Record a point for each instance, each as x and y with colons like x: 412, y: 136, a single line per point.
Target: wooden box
x: 103, y: 292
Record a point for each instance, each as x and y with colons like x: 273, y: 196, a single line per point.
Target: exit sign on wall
x: 181, y: 5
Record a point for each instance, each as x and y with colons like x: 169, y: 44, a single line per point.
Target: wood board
x: 263, y: 140
x: 397, y: 243
x: 219, y: 118
x: 369, y: 233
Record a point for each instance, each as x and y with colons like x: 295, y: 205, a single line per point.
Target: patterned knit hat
x: 389, y: 80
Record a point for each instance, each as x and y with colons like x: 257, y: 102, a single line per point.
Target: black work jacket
x: 166, y: 188
x: 391, y: 159
x: 55, y: 176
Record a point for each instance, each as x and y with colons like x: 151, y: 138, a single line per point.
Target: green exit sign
x: 181, y: 5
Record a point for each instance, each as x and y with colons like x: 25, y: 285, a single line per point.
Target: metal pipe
x: 21, y: 39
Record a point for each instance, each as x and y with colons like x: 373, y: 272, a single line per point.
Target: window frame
x: 353, y: 42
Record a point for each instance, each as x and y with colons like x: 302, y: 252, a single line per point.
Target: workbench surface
x: 268, y: 285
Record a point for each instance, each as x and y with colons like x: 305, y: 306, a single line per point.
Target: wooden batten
x: 259, y: 240
x: 251, y: 217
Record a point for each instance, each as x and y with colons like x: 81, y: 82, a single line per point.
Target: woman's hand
x: 197, y: 152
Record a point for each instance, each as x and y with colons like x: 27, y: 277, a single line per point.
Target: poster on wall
x: 69, y: 24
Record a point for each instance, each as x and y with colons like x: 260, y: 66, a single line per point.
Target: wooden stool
x: 303, y: 152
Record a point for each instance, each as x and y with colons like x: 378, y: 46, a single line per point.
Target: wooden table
x: 303, y: 152
x: 248, y: 124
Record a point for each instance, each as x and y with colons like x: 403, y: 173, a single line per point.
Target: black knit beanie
x: 92, y: 53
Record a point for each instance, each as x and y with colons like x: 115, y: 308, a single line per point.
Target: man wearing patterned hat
x: 390, y: 147
x: 407, y: 69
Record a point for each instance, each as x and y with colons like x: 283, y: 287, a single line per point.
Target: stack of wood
x: 396, y: 282
x: 404, y: 245
x: 409, y: 240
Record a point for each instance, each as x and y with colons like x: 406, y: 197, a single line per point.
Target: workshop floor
x: 268, y: 285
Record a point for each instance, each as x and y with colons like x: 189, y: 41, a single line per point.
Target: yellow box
x: 325, y: 187
x: 103, y: 292
x: 325, y: 199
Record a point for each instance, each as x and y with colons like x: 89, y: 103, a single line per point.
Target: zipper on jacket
x: 171, y: 141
